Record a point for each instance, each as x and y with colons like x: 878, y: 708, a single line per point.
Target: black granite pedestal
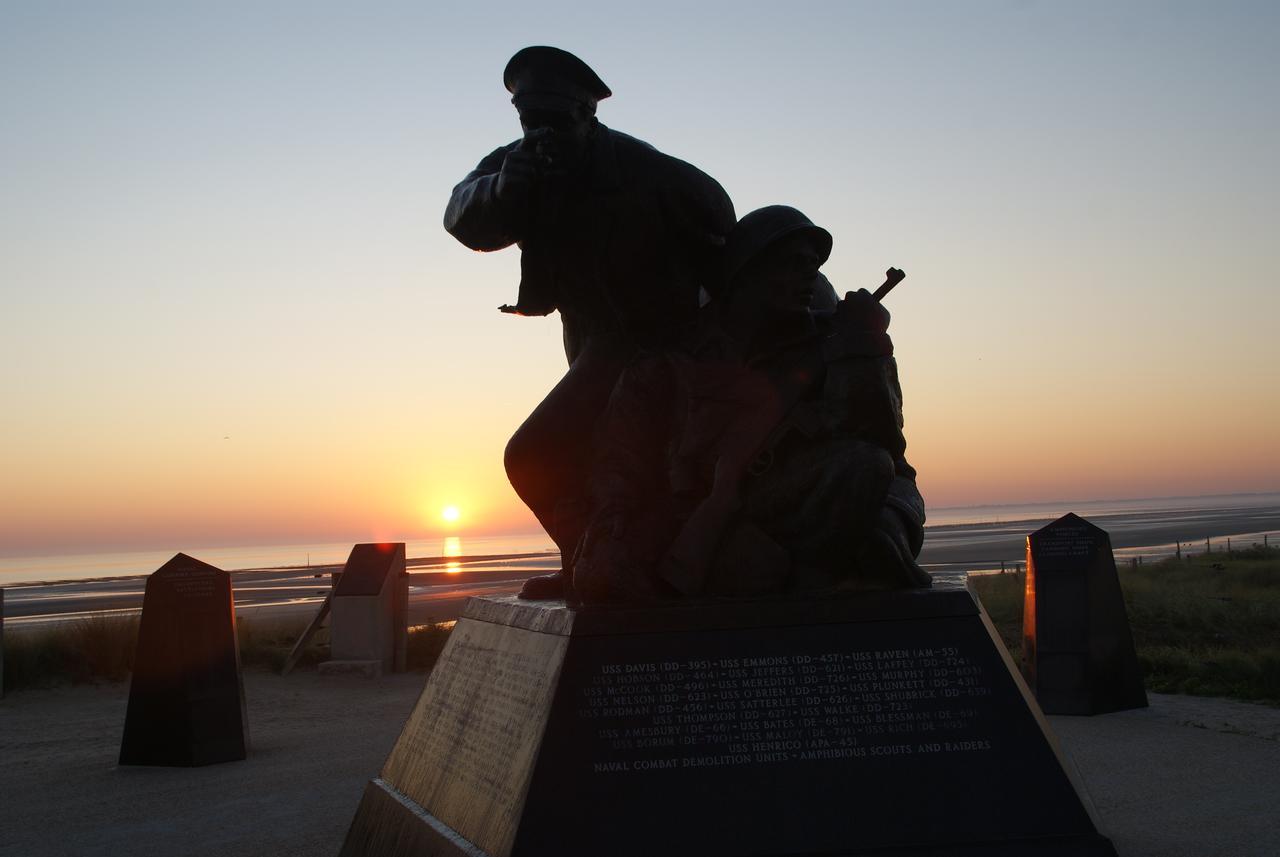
x: 877, y: 724
x: 1078, y: 655
x: 186, y: 697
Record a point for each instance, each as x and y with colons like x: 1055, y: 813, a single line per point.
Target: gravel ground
x: 315, y: 743
x: 1186, y: 776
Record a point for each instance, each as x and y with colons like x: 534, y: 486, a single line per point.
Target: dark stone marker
x: 186, y: 699
x: 1077, y: 649
x: 883, y: 724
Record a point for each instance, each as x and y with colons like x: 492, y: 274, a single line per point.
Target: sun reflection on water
x: 452, y: 547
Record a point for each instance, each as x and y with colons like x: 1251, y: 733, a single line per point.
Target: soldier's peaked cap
x: 756, y: 231
x: 551, y: 77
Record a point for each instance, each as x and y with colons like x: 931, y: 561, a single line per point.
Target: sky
x: 232, y: 315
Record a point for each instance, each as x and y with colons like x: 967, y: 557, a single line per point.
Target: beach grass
x: 267, y: 642
x: 101, y: 649
x: 426, y: 642
x: 1207, y: 625
x: 1001, y: 597
x: 97, y: 648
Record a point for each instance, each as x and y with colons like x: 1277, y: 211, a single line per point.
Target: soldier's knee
x: 518, y: 457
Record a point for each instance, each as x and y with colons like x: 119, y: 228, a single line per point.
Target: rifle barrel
x: 893, y: 276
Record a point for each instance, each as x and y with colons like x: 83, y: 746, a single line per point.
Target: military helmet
x: 756, y: 231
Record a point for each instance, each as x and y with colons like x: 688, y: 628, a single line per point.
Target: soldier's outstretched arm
x: 475, y: 215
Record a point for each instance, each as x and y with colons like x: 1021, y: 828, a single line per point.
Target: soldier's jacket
x: 674, y: 415
x: 621, y: 248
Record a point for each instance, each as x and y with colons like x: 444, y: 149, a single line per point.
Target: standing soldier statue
x: 615, y: 235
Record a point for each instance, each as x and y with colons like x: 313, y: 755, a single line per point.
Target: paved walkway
x: 1186, y: 776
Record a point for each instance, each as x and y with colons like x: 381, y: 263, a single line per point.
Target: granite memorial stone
x: 1078, y: 652
x: 882, y: 723
x: 368, y: 633
x: 186, y: 697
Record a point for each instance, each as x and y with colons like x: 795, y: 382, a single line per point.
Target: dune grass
x: 101, y: 649
x: 1206, y: 625
x: 426, y: 642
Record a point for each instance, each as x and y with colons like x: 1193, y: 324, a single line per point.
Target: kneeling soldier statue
x: 768, y: 456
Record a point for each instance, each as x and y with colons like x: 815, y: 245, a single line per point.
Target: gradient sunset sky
x: 231, y: 314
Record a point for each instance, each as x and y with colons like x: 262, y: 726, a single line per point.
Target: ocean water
x: 14, y: 570
x: 998, y: 514
x: 950, y: 530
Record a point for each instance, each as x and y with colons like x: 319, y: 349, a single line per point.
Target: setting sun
x: 450, y: 513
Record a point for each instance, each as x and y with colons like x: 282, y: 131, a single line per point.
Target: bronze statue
x: 615, y: 235
x: 766, y: 458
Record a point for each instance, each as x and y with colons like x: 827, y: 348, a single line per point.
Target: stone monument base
x: 891, y: 723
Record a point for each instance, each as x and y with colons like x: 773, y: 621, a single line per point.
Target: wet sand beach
x: 435, y: 594
x: 440, y: 585
x: 972, y: 546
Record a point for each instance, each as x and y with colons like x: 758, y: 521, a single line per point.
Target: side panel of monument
x: 888, y: 723
x: 368, y: 614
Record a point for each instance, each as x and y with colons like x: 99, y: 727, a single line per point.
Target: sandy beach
x: 1187, y: 777
x: 437, y: 594
x: 1152, y: 533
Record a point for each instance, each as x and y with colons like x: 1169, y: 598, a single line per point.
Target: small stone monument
x: 1078, y: 655
x: 367, y: 627
x: 186, y: 698
x: 884, y: 723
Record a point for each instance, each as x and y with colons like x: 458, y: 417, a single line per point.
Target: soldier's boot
x: 566, y: 530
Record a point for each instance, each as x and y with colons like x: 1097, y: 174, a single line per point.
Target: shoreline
x: 1150, y: 533
x: 320, y: 570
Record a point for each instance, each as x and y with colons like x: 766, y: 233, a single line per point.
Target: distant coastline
x: 956, y: 534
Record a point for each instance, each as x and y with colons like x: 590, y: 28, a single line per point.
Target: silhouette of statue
x: 615, y: 235
x: 768, y: 456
